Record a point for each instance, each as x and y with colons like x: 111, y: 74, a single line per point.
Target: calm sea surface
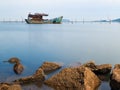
x: 65, y: 43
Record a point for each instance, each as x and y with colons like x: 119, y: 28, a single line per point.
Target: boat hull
x: 57, y: 20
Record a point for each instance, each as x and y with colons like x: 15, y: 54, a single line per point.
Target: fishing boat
x: 37, y: 18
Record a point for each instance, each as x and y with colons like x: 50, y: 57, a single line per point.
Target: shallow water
x: 65, y: 43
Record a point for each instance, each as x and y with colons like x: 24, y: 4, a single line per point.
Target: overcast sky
x: 71, y: 9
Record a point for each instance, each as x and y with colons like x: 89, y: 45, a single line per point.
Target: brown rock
x: 117, y: 66
x: 13, y: 60
x: 49, y: 67
x: 115, y: 78
x: 91, y: 80
x: 6, y: 86
x: 80, y: 78
x: 37, y: 77
x: 15, y: 87
x: 103, y: 69
x: 99, y: 69
x: 91, y: 65
x: 39, y: 72
x: 18, y: 68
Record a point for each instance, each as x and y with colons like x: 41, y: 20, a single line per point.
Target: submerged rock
x: 48, y: 67
x: 6, y: 86
x: 18, y: 68
x: 115, y: 78
x: 80, y: 78
x: 39, y: 76
x: 99, y: 69
x: 13, y: 60
x: 103, y: 69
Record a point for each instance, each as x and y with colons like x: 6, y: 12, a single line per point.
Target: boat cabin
x: 37, y: 16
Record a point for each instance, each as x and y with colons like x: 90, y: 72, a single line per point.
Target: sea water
x: 66, y: 43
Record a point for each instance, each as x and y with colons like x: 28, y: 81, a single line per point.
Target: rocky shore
x: 87, y: 76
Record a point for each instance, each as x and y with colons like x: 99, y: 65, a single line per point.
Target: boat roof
x: 37, y: 15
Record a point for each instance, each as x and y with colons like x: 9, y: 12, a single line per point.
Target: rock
x: 117, y: 66
x: 39, y: 76
x: 18, y: 68
x: 115, y: 78
x: 91, y: 81
x: 99, y: 69
x: 103, y: 69
x: 13, y: 60
x: 15, y: 87
x: 91, y: 65
x: 49, y: 67
x: 80, y: 78
x: 6, y: 86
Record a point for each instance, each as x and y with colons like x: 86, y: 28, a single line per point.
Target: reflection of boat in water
x: 37, y: 18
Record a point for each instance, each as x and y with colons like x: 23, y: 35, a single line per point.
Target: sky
x: 69, y: 9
